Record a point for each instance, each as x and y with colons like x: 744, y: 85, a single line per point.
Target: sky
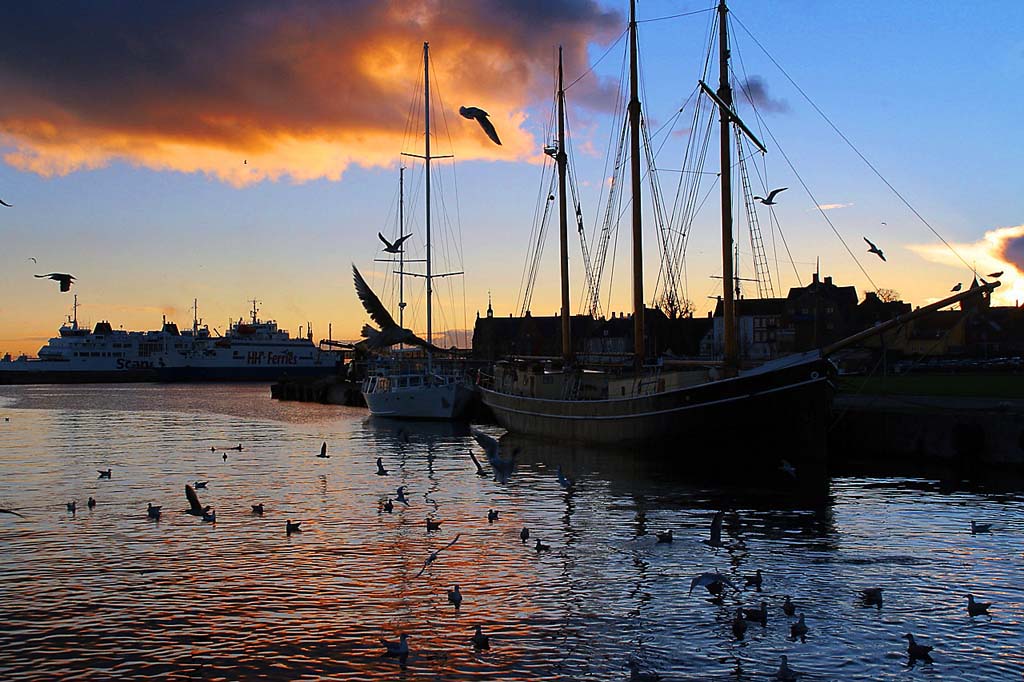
x: 166, y: 152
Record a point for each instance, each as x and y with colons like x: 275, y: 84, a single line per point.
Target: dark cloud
x: 86, y: 82
x: 753, y: 90
x: 1012, y: 251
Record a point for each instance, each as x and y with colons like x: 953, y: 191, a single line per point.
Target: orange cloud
x: 247, y: 91
x: 1001, y: 249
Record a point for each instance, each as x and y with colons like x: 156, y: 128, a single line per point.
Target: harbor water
x: 106, y: 593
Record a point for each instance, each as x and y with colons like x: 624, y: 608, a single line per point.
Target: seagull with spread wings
x: 432, y: 557
x: 393, y: 247
x: 770, y: 199
x: 389, y: 333
x: 874, y: 249
x: 478, y: 114
x: 64, y: 279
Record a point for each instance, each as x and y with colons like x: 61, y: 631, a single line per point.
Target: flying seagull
x: 11, y: 511
x: 716, y: 531
x: 194, y: 507
x: 874, y: 249
x: 432, y: 557
x: 393, y: 247
x: 390, y: 333
x: 481, y: 117
x: 770, y: 199
x: 713, y: 581
x: 996, y: 274
x: 35, y: 261
x: 6, y: 204
x: 958, y: 287
x: 64, y: 279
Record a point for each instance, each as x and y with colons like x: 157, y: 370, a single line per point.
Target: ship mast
x: 563, y: 231
x: 634, y: 154
x: 730, y: 358
x: 426, y: 166
x: 401, y: 251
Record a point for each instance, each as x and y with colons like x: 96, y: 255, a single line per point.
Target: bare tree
x: 888, y: 295
x: 674, y: 306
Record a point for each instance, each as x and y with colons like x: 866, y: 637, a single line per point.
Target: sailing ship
x: 409, y: 383
x: 783, y: 402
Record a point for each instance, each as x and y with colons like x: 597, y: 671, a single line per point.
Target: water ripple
x: 108, y: 593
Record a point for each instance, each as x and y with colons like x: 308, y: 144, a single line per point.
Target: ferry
x: 256, y: 350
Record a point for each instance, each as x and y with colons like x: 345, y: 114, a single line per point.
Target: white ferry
x: 253, y: 351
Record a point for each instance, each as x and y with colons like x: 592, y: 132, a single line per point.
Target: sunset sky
x: 226, y: 151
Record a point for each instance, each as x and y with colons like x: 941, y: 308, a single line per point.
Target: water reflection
x: 109, y: 593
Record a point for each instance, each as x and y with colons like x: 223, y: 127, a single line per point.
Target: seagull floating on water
x: 798, y: 630
x: 292, y: 526
x: 399, y: 648
x: 492, y: 515
x: 153, y: 511
x: 872, y: 596
x: 72, y: 506
x: 980, y: 527
x: 785, y: 673
x: 788, y: 607
x: 91, y: 503
x: 257, y: 509
x: 739, y: 624
x: 381, y: 471
x: 770, y: 199
x: 977, y: 608
x: 754, y: 580
x: 210, y: 516
x: 481, y: 117
x: 400, y: 496
x: 480, y: 640
x: 455, y: 596
x: 104, y: 474
x: 395, y: 246
x: 758, y: 615
x: 389, y: 506
x: 62, y: 277
x: 433, y: 525
x: 874, y: 249
x: 524, y: 534
x: 665, y: 536
x: 200, y: 484
x: 917, y: 651
x: 541, y: 547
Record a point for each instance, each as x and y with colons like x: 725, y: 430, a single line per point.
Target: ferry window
x: 414, y: 381
x: 95, y: 354
x: 402, y: 383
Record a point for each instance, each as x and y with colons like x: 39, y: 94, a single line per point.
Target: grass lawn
x: 1002, y: 385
